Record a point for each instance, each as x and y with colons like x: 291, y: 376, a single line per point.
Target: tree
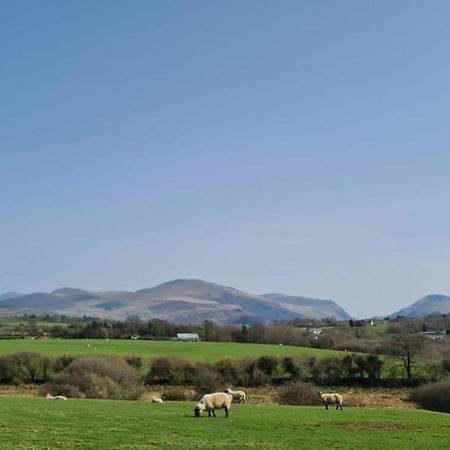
x: 28, y: 367
x: 407, y: 348
x: 370, y: 364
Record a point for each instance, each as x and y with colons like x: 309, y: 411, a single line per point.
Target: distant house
x: 434, y: 334
x: 188, y: 337
x: 315, y: 331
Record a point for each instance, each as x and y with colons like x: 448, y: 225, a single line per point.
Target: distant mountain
x: 8, y: 295
x: 179, y: 301
x: 431, y: 305
x: 309, y: 307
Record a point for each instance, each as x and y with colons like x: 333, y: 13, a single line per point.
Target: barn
x: 188, y: 337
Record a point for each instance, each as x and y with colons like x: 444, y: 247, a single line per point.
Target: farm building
x: 189, y: 337
x: 434, y: 334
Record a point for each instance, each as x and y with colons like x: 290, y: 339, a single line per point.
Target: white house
x: 189, y: 337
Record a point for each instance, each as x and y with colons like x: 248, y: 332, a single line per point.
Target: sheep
x: 55, y: 397
x: 214, y: 401
x: 329, y: 399
x: 156, y: 400
x: 238, y: 396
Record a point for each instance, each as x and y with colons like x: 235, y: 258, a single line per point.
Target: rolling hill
x: 430, y: 305
x: 309, y: 307
x: 178, y: 301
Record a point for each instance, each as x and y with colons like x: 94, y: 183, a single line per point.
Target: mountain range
x: 178, y: 301
x: 193, y: 301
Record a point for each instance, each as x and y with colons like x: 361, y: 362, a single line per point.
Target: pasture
x: 36, y: 423
x: 195, y: 351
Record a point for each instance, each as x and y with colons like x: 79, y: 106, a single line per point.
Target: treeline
x: 349, y: 369
x: 355, y: 336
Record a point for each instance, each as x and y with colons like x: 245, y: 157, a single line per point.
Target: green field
x: 36, y: 423
x: 196, y: 351
x: 14, y: 323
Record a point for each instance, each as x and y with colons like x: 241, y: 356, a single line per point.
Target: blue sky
x: 298, y: 147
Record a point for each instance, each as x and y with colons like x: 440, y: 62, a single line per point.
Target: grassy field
x: 36, y: 423
x: 204, y: 351
x: 14, y: 323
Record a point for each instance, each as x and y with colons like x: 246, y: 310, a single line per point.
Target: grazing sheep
x: 156, y: 400
x: 55, y: 397
x: 238, y: 396
x: 213, y: 401
x: 329, y: 399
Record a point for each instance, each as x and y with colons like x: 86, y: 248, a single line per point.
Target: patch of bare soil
x: 377, y: 398
x: 353, y: 397
x: 25, y: 390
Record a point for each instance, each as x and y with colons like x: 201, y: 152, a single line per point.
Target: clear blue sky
x: 297, y: 146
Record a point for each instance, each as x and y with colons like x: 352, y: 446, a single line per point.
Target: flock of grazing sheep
x: 218, y: 400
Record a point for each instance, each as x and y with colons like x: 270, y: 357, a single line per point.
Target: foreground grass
x: 196, y: 351
x: 36, y: 423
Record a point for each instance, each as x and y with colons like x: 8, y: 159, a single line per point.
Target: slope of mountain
x: 431, y: 305
x: 179, y: 301
x: 8, y: 295
x: 309, y: 307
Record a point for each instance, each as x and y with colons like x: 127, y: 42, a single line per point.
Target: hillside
x: 179, y: 301
x: 430, y: 305
x: 309, y: 307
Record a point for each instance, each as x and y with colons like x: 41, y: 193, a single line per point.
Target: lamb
x: 55, y: 397
x: 156, y: 400
x: 329, y: 399
x: 214, y: 401
x: 238, y: 396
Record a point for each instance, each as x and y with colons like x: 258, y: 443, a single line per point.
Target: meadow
x: 195, y: 351
x: 36, y: 423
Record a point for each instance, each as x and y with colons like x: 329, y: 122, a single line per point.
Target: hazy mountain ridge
x: 309, y: 307
x: 430, y: 305
x: 8, y: 295
x: 179, y: 301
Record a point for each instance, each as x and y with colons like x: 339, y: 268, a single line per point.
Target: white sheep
x: 329, y: 399
x: 214, y: 401
x: 238, y: 396
x: 55, y: 397
x: 156, y: 400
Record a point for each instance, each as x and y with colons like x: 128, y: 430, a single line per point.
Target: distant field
x: 13, y: 323
x: 205, y: 351
x: 36, y: 423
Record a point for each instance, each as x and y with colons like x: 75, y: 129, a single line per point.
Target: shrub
x: 206, y: 379
x: 134, y: 361
x: 97, y: 377
x: 178, y: 393
x: 292, y: 367
x: 433, y: 396
x: 170, y: 370
x: 267, y: 364
x: 25, y: 367
x: 61, y: 362
x: 298, y: 393
x: 257, y: 377
x: 233, y: 371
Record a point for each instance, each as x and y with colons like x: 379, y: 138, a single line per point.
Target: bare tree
x: 407, y: 348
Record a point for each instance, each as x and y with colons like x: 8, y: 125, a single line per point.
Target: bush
x: 178, y: 394
x: 433, y: 396
x: 232, y: 371
x: 25, y: 367
x: 170, y: 370
x: 134, y: 361
x: 206, y: 380
x: 97, y: 377
x: 298, y: 393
